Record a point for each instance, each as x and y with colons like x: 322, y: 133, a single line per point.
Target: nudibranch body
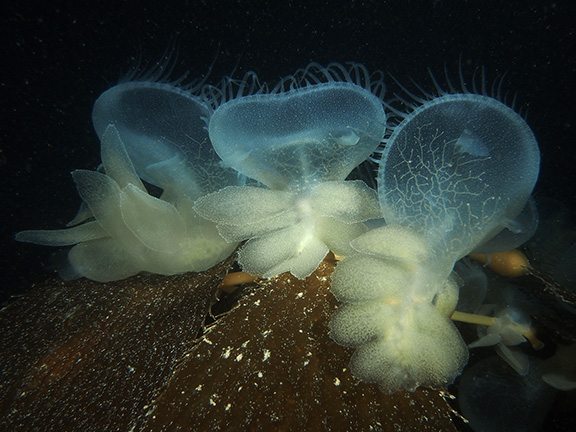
x: 300, y: 140
x: 453, y: 174
x: 154, y: 132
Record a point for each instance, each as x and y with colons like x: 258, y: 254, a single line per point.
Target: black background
x: 57, y: 57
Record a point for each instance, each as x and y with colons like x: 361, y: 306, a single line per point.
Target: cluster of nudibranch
x: 242, y: 161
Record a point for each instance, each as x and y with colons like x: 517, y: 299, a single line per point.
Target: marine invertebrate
x: 126, y: 230
x: 396, y: 312
x: 152, y: 131
x: 509, y: 327
x: 300, y: 140
x: 453, y: 174
x: 447, y: 184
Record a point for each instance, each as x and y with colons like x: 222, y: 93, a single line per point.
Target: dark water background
x: 57, y: 57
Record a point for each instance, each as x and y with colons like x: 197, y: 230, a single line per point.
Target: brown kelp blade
x: 86, y: 356
x: 269, y: 364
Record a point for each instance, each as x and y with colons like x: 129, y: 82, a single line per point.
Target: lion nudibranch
x: 124, y: 230
x: 300, y: 140
x: 453, y: 173
x: 154, y: 132
x: 241, y: 162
